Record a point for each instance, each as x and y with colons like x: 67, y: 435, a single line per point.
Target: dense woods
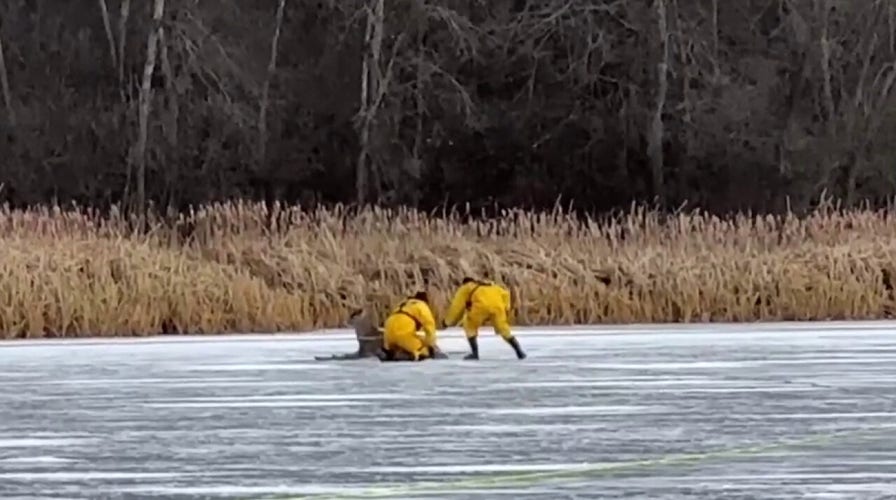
x: 726, y: 105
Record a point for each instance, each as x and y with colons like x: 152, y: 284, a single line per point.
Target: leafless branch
x: 466, y: 101
x: 464, y: 32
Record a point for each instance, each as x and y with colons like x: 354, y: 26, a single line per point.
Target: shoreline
x: 248, y: 268
x: 773, y: 328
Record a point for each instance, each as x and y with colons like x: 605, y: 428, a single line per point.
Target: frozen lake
x: 737, y: 411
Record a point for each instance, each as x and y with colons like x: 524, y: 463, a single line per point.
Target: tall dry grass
x: 241, y: 267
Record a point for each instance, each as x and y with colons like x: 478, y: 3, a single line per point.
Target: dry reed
x: 242, y: 267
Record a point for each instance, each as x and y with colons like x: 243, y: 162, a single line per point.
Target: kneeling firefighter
x: 482, y: 301
x: 400, y: 329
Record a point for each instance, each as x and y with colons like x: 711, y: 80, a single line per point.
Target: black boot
x: 474, y: 348
x: 516, y: 347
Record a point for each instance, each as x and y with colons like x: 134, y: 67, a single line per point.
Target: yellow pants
x: 400, y: 332
x: 478, y: 316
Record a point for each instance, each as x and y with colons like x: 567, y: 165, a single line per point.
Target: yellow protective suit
x: 483, y: 302
x: 400, y: 329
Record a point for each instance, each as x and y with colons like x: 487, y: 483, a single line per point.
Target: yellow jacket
x: 422, y: 315
x: 479, y: 295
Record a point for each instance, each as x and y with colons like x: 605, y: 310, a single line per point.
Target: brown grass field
x: 242, y: 268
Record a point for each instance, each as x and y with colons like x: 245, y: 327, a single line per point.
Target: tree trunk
x: 370, y: 80
x: 107, y: 25
x: 655, y: 131
x: 122, y: 35
x: 824, y: 10
x: 124, y: 13
x: 265, y: 92
x: 715, y: 39
x: 4, y: 85
x: 173, y: 106
x: 144, y: 108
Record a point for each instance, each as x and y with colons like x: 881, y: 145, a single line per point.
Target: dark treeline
x: 727, y: 105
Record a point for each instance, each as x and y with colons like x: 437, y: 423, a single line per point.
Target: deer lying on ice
x: 370, y: 342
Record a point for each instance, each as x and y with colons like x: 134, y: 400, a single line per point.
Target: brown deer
x: 369, y: 336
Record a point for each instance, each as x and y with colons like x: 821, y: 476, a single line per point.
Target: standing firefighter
x: 400, y: 328
x: 483, y: 301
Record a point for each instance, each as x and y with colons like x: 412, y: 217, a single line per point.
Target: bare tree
x: 4, y: 83
x: 152, y: 42
x: 370, y: 91
x: 171, y: 93
x: 715, y: 38
x: 107, y: 25
x: 655, y: 131
x: 823, y: 8
x: 122, y: 35
x: 856, y: 103
x: 265, y: 92
x: 871, y: 101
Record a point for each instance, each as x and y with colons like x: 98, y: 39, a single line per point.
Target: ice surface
x: 789, y: 410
